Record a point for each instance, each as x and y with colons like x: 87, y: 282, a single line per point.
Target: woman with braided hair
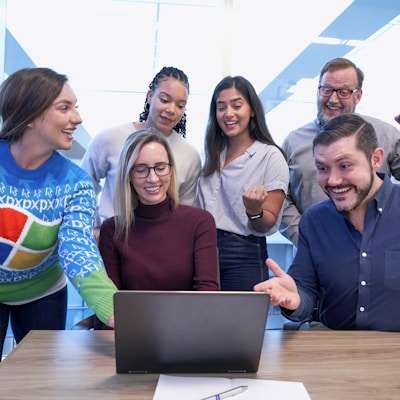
x: 164, y: 110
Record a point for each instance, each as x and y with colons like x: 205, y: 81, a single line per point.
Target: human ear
x: 377, y: 158
x: 358, y: 96
x: 149, y: 96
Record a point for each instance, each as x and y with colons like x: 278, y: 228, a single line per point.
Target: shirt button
x: 364, y: 254
x: 363, y: 283
x: 362, y: 309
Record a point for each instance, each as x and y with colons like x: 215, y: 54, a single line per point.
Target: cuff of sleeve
x: 104, y: 307
x: 300, y: 314
x: 98, y: 290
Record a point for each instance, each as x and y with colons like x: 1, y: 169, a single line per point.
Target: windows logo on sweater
x: 20, y: 248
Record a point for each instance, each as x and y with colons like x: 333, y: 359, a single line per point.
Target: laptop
x: 189, y: 331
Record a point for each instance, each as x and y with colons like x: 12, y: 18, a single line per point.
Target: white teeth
x: 340, y: 190
x: 230, y: 123
x: 68, y: 132
x: 152, y: 189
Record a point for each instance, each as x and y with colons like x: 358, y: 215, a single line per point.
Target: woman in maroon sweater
x: 153, y: 242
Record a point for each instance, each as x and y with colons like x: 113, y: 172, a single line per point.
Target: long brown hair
x: 216, y: 140
x: 25, y: 95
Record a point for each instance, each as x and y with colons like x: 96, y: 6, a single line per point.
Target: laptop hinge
x: 137, y: 372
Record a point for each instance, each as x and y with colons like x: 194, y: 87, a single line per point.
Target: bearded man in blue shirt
x: 348, y: 258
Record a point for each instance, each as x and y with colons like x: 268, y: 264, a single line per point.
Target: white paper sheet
x: 196, y: 388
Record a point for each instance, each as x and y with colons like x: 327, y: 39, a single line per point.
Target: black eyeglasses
x: 143, y: 171
x: 327, y: 91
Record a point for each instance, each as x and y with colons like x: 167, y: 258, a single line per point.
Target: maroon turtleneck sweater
x: 167, y: 249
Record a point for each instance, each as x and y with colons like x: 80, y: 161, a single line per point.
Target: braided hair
x: 167, y: 72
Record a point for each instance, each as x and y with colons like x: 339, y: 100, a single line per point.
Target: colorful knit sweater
x: 46, y: 222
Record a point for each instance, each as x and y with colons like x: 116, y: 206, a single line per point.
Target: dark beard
x: 321, y: 120
x: 361, y: 194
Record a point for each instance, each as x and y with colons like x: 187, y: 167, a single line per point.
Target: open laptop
x: 189, y: 331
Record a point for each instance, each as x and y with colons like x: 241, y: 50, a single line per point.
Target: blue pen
x: 228, y: 393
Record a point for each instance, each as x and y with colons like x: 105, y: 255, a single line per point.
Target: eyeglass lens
x: 143, y: 171
x: 343, y: 93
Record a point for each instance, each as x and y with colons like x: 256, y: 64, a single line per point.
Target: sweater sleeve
x: 206, y: 273
x: 78, y: 252
x: 187, y: 189
x: 108, y: 252
x: 188, y: 165
x: 94, y: 162
x: 289, y: 226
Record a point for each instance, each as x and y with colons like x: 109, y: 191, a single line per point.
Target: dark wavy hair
x: 167, y: 72
x: 216, y: 140
x: 25, y: 95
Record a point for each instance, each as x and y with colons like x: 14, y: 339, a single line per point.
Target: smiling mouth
x: 333, y: 107
x: 338, y: 193
x: 340, y: 190
x: 68, y: 132
x: 152, y: 189
x: 168, y: 120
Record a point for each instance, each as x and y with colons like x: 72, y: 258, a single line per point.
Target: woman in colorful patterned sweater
x: 47, y: 206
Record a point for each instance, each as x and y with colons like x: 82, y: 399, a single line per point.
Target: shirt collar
x: 381, y: 198
x: 383, y: 195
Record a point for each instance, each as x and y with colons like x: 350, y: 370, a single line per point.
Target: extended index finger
x: 274, y: 267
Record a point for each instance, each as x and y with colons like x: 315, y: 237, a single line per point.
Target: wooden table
x: 335, y: 365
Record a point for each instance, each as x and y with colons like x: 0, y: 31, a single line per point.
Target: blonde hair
x: 126, y: 198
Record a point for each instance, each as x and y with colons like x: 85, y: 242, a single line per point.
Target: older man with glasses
x: 339, y: 92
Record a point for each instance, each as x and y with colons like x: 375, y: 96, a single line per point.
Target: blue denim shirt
x: 355, y: 277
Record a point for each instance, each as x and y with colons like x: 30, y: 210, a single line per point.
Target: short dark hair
x: 348, y: 125
x: 25, y: 95
x: 342, y: 63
